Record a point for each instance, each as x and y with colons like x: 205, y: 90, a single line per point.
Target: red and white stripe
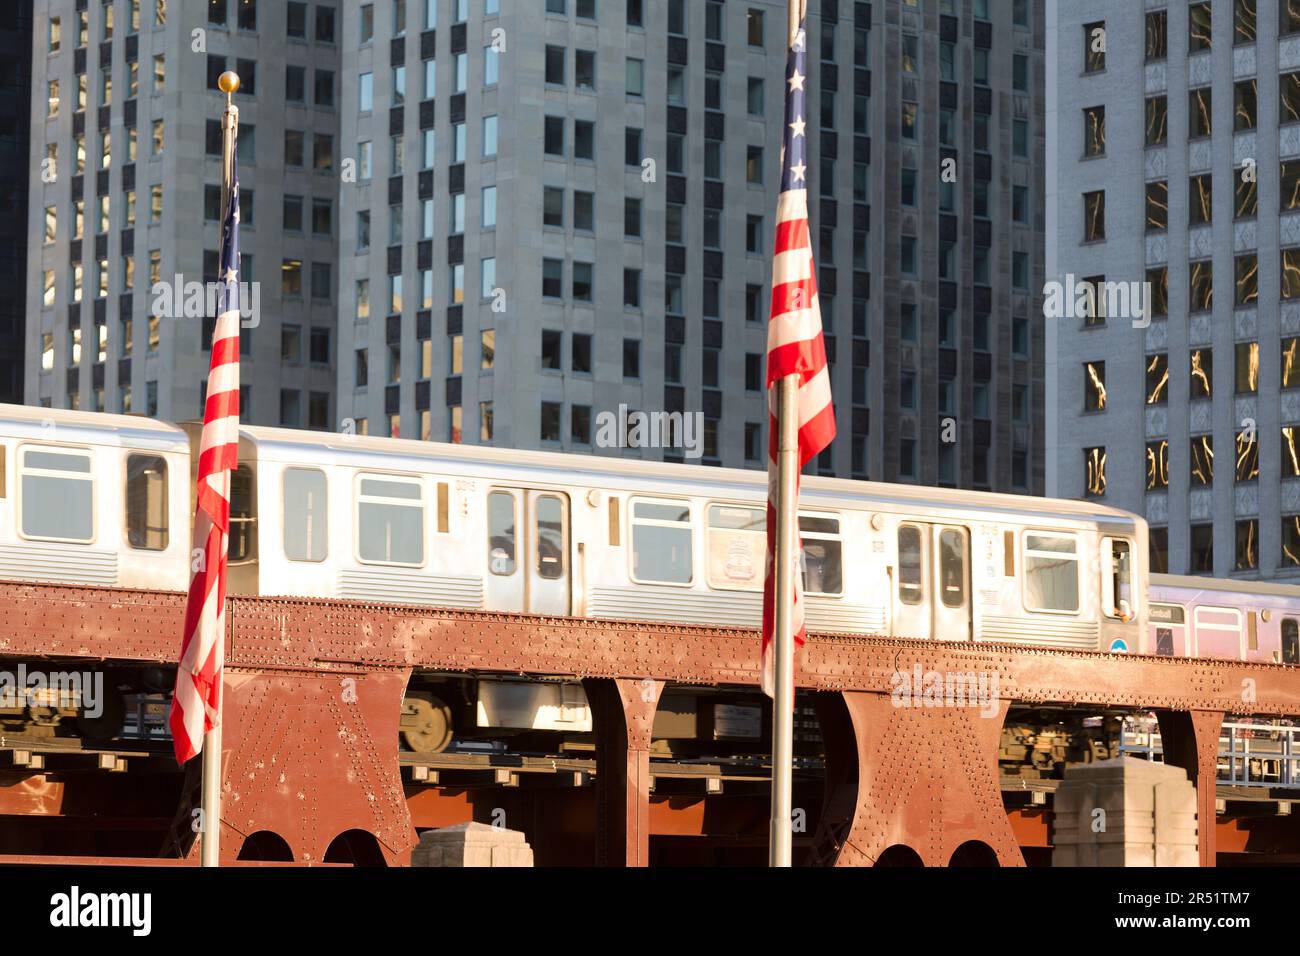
x: 196, y: 706
x: 794, y: 347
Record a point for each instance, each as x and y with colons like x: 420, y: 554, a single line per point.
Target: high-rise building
x: 562, y: 208
x: 125, y: 124
x: 1176, y: 176
x: 15, y: 170
x: 524, y: 222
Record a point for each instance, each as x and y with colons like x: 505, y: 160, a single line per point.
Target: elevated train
x: 99, y: 499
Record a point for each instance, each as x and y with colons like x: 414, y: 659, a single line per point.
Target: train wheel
x: 426, y: 723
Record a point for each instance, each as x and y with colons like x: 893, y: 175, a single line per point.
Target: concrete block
x: 1125, y: 812
x: 472, y: 844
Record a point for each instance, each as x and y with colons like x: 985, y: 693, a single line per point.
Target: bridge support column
x: 311, y: 755
x: 624, y: 713
x: 926, y: 778
x: 1190, y: 739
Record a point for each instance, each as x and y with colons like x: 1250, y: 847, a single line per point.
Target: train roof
x: 100, y: 428
x: 1188, y: 582
x: 92, y: 428
x: 290, y: 444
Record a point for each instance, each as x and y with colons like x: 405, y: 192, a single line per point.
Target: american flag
x: 794, y: 333
x: 196, y: 706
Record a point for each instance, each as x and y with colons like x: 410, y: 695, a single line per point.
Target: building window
x: 583, y: 278
x: 1157, y: 45
x: 1291, y: 273
x: 553, y: 278
x: 1246, y: 202
x: 1157, y: 206
x: 1247, y: 279
x: 1157, y: 465
x: 1202, y: 286
x: 1202, y: 373
x: 1094, y: 216
x: 1291, y: 363
x: 1094, y: 386
x: 1290, y: 10
x: 584, y: 70
x: 1157, y: 120
x: 1094, y: 131
x: 1094, y: 47
x: 1158, y: 550
x: 1199, y: 36
x: 1247, y: 368
x: 1199, y: 114
x: 1243, y: 21
x: 1094, y: 464
x: 1199, y: 200
x: 1202, y: 556
x: 1247, y: 455
x: 1244, y: 105
x: 1247, y: 558
x: 1291, y: 451
x: 1202, y: 460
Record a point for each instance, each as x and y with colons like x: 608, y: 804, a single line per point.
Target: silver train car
x: 101, y: 499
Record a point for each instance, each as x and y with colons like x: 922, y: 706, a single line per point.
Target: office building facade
x: 125, y: 124
x: 563, y: 215
x: 1177, y: 179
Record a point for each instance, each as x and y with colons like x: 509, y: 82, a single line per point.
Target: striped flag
x: 794, y: 333
x: 196, y: 706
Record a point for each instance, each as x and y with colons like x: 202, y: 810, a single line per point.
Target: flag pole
x: 210, y: 836
x: 784, y: 568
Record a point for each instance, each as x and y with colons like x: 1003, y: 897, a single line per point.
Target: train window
x: 737, y: 545
x: 823, y: 567
x: 1117, y: 578
x: 146, y: 502
x: 614, y: 539
x: 1051, y: 569
x: 306, y: 520
x: 390, y: 521
x: 1217, y: 631
x: 243, y: 516
x: 911, y: 577
x: 550, y: 537
x: 661, y: 542
x: 58, y: 493
x: 952, y: 567
x: 501, y: 533
x: 1169, y: 622
x: 444, y: 507
x: 1290, y: 641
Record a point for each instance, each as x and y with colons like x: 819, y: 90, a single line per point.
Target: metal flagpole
x: 784, y: 568
x: 210, y: 837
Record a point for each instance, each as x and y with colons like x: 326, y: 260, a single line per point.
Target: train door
x: 932, y: 583
x: 528, y: 551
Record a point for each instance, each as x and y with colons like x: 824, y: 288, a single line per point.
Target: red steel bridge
x: 317, y: 773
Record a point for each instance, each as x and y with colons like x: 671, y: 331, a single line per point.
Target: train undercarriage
x: 459, y: 712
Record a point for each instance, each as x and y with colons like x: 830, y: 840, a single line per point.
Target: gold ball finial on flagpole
x: 229, y: 82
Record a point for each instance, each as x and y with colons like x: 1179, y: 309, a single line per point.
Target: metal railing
x: 1250, y: 755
